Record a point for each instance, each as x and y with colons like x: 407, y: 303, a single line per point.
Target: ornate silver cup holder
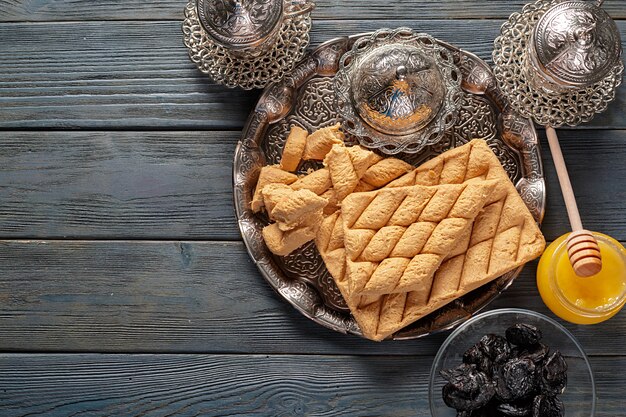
x: 251, y: 56
x: 558, y: 61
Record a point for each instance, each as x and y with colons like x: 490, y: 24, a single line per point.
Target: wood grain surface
x: 227, y: 385
x: 121, y: 296
x: 125, y: 289
x: 137, y: 75
x: 154, y: 185
x: 31, y: 10
x: 177, y: 185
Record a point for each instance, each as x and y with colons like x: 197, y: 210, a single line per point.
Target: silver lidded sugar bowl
x: 247, y: 43
x: 574, y: 44
x: 398, y: 91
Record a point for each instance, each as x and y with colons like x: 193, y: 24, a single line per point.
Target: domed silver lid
x: 239, y: 24
x: 397, y: 89
x: 576, y: 43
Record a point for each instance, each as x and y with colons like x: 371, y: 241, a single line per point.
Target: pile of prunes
x: 512, y: 376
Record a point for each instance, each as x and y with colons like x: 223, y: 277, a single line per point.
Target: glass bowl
x: 579, y: 397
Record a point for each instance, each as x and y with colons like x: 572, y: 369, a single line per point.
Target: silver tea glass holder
x: 247, y: 43
x: 559, y: 61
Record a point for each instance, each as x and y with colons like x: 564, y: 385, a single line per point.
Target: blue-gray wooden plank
x: 177, y: 185
x: 170, y: 296
x: 237, y: 385
x: 147, y: 296
x: 53, y: 10
x: 156, y: 185
x: 137, y: 75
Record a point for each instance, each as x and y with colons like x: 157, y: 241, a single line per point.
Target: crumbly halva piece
x: 270, y: 174
x: 293, y: 149
x: 347, y: 166
x: 291, y: 209
x: 282, y: 243
x: 297, y: 214
x: 272, y: 194
x: 362, y: 159
x: 317, y: 181
x: 318, y: 143
x: 385, y: 171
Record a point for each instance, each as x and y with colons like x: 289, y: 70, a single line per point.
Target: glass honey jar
x: 583, y: 300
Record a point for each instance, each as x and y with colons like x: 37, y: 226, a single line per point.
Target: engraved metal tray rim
x: 277, y: 102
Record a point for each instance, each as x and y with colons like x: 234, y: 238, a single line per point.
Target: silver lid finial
x: 401, y: 72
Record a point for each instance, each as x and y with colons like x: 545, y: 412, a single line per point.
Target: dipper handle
x: 582, y: 246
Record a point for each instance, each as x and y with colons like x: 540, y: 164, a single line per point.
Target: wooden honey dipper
x: 582, y: 246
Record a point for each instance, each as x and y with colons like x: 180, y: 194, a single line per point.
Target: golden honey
x: 578, y: 299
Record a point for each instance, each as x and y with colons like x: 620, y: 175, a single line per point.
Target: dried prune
x: 468, y: 413
x: 554, y: 374
x: 520, y: 377
x: 463, y: 378
x: 473, y: 355
x: 467, y: 388
x: 459, y: 400
x: 502, y: 391
x: 495, y: 347
x: 547, y: 406
x: 477, y: 356
x: 455, y: 398
x: 522, y: 334
x: 536, y: 353
x: 515, y: 410
x: 485, y: 393
x: 516, y: 376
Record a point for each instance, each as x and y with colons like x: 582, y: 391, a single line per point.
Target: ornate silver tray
x: 306, y: 98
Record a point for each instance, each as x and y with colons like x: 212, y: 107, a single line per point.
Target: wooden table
x: 125, y: 289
